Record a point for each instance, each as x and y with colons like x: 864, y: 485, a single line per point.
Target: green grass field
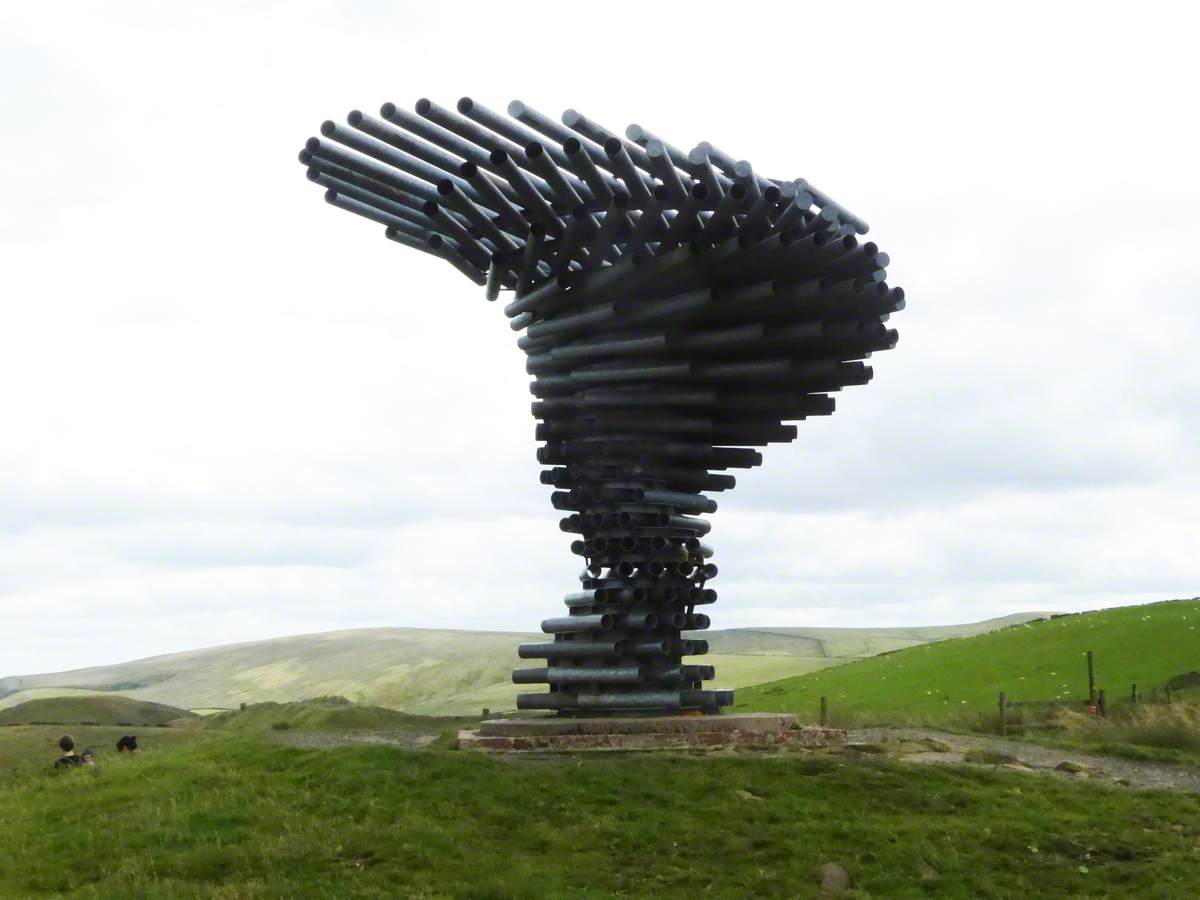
x: 430, y: 672
x: 230, y: 815
x: 27, y: 750
x: 956, y: 680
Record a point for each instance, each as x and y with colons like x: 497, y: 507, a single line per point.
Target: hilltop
x: 435, y: 672
x: 1039, y: 660
x: 92, y: 710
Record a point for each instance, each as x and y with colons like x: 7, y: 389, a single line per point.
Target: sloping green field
x: 94, y: 709
x: 433, y: 672
x: 1042, y: 660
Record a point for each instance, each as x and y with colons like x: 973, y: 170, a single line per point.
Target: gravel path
x: 413, y: 740
x: 921, y: 745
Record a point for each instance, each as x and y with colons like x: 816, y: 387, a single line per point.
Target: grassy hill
x: 323, y: 714
x: 432, y: 672
x: 16, y: 698
x: 1041, y: 660
x: 230, y: 815
x: 841, y: 644
x: 92, y: 709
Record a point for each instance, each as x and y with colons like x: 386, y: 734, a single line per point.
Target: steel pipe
x: 493, y: 198
x: 565, y: 624
x: 618, y: 157
x: 572, y: 650
x: 535, y: 203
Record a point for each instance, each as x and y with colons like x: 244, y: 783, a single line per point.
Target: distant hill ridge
x: 436, y: 672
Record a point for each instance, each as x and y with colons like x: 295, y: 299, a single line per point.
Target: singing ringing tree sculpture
x: 677, y: 308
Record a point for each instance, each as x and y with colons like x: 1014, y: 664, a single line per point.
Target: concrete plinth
x: 753, y: 730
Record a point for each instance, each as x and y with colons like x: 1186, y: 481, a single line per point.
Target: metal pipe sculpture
x: 678, y: 309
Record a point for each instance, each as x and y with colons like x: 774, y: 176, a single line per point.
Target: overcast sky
x: 231, y: 412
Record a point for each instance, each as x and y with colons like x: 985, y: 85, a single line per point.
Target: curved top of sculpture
x: 487, y: 192
x: 678, y: 309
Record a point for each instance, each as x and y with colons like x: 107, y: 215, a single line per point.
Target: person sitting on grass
x: 69, y: 759
x: 88, y: 756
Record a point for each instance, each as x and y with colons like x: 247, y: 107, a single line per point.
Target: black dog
x: 129, y: 742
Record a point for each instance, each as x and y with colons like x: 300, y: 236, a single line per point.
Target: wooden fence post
x: 1101, y: 706
x: 1133, y: 695
x: 1091, y: 658
x: 1003, y: 715
x: 824, y: 711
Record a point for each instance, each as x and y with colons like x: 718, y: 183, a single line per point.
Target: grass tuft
x: 1168, y: 726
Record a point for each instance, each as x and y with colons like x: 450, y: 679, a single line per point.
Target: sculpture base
x: 561, y: 735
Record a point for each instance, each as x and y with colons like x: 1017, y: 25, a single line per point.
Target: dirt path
x: 412, y: 740
x: 921, y: 745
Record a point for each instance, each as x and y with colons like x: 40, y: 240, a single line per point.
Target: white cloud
x: 230, y: 412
